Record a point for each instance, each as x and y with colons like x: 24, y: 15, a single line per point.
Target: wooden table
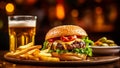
x: 6, y: 64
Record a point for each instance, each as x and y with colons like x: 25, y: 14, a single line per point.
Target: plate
x: 90, y: 61
x: 105, y: 49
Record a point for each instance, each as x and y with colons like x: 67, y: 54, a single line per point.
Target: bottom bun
x: 70, y: 56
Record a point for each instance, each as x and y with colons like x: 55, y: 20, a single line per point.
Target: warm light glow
x: 9, y: 7
x: 1, y: 24
x: 31, y: 2
x: 12, y: 42
x: 19, y: 1
x: 113, y: 14
x: 23, y: 39
x: 98, y: 10
x: 98, y: 1
x: 81, y: 1
x: 74, y: 13
x: 60, y: 12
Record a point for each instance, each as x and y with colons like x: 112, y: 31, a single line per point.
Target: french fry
x: 36, y: 53
x: 15, y: 54
x: 25, y: 46
x: 54, y: 54
x: 23, y: 56
x: 31, y: 57
x: 26, y: 50
x: 70, y: 56
x: 33, y: 51
x: 45, y: 54
x: 45, y: 51
x: 46, y: 58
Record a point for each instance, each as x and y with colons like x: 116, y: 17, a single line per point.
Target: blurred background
x: 98, y: 17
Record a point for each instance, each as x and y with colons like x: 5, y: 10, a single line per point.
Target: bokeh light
x: 9, y: 7
x: 30, y: 2
x: 74, y: 13
x: 98, y: 10
x: 60, y: 12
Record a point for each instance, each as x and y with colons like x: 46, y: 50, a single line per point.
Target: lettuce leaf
x: 45, y: 45
x: 88, y: 43
x: 87, y: 50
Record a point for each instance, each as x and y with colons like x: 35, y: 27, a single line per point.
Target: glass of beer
x: 22, y: 30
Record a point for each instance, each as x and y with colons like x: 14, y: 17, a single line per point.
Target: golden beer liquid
x: 21, y: 36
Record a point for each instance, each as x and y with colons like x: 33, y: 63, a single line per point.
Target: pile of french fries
x: 30, y: 52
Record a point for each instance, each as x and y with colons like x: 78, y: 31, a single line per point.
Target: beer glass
x: 22, y: 30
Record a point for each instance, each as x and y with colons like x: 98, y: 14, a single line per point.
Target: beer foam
x: 30, y: 23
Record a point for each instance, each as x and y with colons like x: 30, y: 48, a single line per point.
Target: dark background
x: 88, y: 14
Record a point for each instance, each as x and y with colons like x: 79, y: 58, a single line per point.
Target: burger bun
x: 65, y: 30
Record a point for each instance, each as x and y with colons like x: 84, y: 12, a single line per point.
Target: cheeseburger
x: 68, y: 42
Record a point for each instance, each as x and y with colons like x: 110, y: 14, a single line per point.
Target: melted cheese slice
x: 63, y: 43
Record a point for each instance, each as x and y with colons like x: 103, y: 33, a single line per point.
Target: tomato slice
x: 65, y: 39
x: 71, y: 38
x: 68, y: 38
x: 51, y: 40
